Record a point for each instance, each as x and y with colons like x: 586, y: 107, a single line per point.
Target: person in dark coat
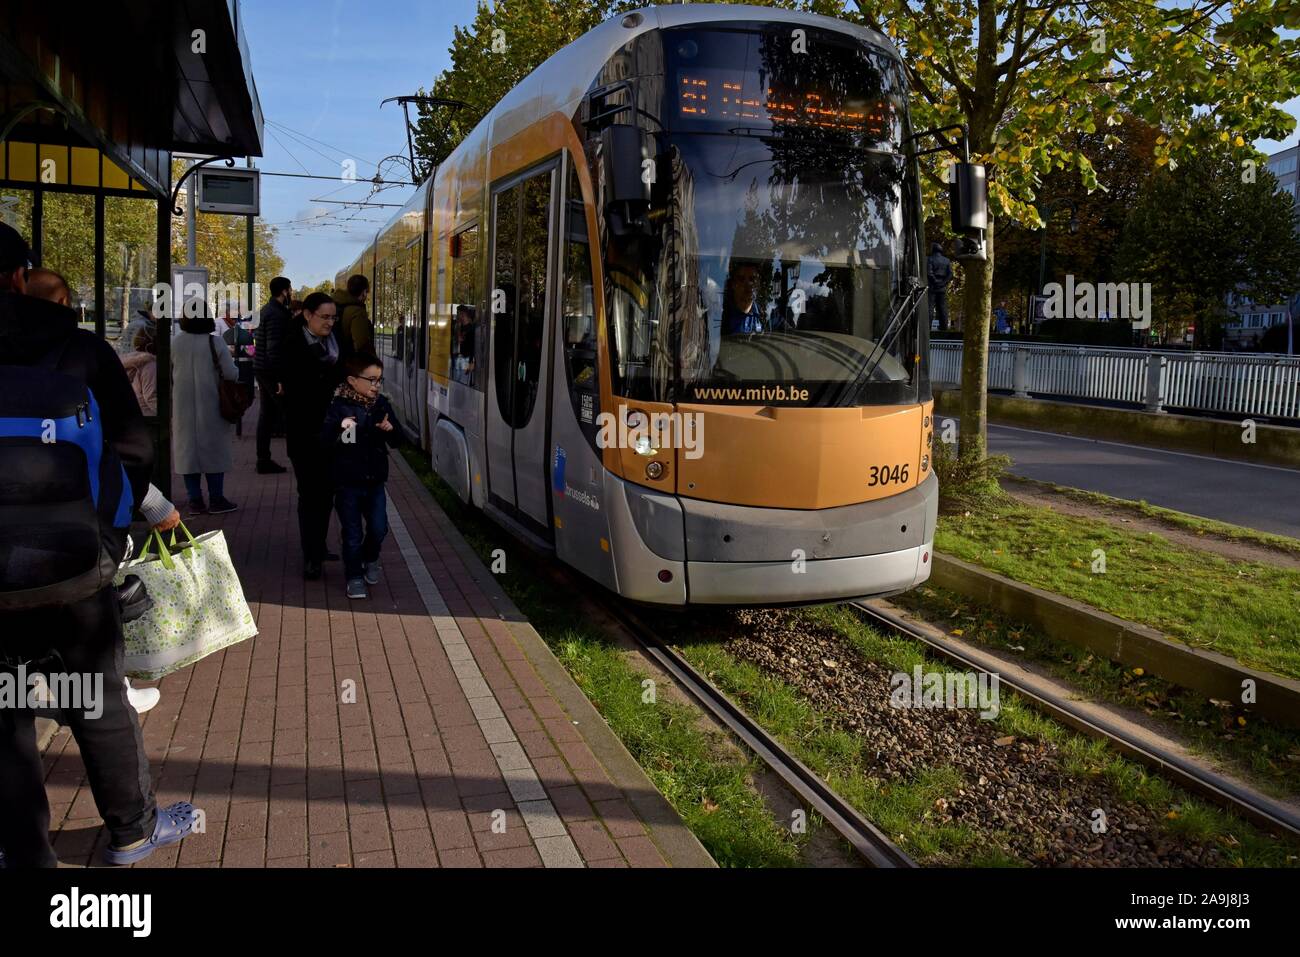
x: 359, y: 427
x: 274, y: 322
x: 85, y: 635
x: 938, y: 273
x: 356, y: 331
x: 311, y: 369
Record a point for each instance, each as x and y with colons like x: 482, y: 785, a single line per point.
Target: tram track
x: 872, y: 844
x: 1252, y: 806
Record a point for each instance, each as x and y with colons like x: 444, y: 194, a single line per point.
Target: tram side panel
x: 577, y: 475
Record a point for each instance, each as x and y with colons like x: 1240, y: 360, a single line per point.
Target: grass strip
x: 1245, y: 610
x: 1168, y: 516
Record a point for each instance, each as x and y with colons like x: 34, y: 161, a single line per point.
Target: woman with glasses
x: 359, y: 427
x: 313, y: 368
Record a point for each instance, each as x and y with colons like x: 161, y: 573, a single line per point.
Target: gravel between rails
x: 1018, y: 792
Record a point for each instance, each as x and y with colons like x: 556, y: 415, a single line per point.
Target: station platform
x: 468, y: 745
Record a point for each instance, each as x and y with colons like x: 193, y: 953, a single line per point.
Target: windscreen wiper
x: 905, y: 310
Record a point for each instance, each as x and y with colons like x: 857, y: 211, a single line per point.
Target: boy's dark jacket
x: 363, y: 462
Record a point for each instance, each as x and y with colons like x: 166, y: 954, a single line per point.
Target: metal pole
x: 101, y: 301
x: 162, y: 468
x: 191, y: 214
x: 250, y: 259
x: 1045, y: 213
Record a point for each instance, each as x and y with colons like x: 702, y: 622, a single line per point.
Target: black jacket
x: 31, y: 329
x: 938, y: 271
x: 362, y: 461
x: 268, y: 339
x: 309, y: 385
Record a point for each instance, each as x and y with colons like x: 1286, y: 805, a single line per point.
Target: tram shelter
x: 92, y: 109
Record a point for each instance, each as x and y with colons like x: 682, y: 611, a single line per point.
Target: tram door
x: 519, y: 299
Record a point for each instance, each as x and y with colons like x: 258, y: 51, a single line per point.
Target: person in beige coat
x: 201, y: 438
x: 141, y: 365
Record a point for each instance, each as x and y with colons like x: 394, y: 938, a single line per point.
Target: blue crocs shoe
x: 170, y: 825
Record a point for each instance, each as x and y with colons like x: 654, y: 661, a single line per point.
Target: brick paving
x: 467, y: 744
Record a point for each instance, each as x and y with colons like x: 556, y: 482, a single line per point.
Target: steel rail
x: 868, y: 840
x: 1254, y: 807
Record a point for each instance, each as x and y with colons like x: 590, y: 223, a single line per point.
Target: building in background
x: 1254, y: 319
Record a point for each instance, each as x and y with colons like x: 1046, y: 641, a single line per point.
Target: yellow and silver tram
x: 661, y: 312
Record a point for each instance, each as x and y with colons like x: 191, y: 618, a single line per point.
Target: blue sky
x: 322, y: 67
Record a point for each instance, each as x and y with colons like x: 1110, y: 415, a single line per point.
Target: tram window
x: 464, y: 302
x: 505, y: 282
x: 410, y: 310
x: 417, y: 294
x: 533, y: 248
x: 394, y: 313
x: 579, y: 324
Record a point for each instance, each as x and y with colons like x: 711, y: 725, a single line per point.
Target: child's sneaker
x: 198, y: 507
x: 372, y: 570
x: 221, y: 505
x: 357, y: 588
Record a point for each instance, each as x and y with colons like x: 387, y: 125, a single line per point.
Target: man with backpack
x: 77, y: 457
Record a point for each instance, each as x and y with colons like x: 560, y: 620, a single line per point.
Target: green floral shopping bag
x: 198, y: 604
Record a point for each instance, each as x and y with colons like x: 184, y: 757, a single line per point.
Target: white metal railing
x: 1219, y: 382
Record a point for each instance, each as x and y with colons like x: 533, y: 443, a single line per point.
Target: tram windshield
x: 780, y: 264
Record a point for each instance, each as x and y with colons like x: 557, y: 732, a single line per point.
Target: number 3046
x: 887, y: 475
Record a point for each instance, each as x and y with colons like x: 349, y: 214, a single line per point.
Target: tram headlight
x: 925, y: 463
x: 655, y: 470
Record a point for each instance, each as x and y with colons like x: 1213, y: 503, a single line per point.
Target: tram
x: 662, y: 312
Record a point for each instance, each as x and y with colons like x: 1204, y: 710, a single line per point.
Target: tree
x: 1089, y: 253
x: 1205, y: 230
x: 302, y: 292
x: 1028, y: 76
x: 505, y: 43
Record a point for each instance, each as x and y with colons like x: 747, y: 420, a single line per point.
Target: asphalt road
x: 1262, y: 497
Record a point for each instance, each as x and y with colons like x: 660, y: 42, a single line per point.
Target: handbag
x: 198, y: 604
x: 235, y: 397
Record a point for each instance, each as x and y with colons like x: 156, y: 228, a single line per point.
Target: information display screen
x: 726, y: 94
x: 228, y: 191
x: 723, y: 80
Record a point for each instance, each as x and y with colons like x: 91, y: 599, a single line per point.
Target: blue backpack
x: 65, y: 501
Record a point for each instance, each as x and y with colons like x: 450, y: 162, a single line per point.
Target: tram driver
x: 740, y: 310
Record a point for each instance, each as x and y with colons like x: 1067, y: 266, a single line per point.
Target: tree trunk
x: 124, y: 312
x: 977, y: 309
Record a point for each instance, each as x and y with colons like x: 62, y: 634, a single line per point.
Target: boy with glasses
x: 359, y: 427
